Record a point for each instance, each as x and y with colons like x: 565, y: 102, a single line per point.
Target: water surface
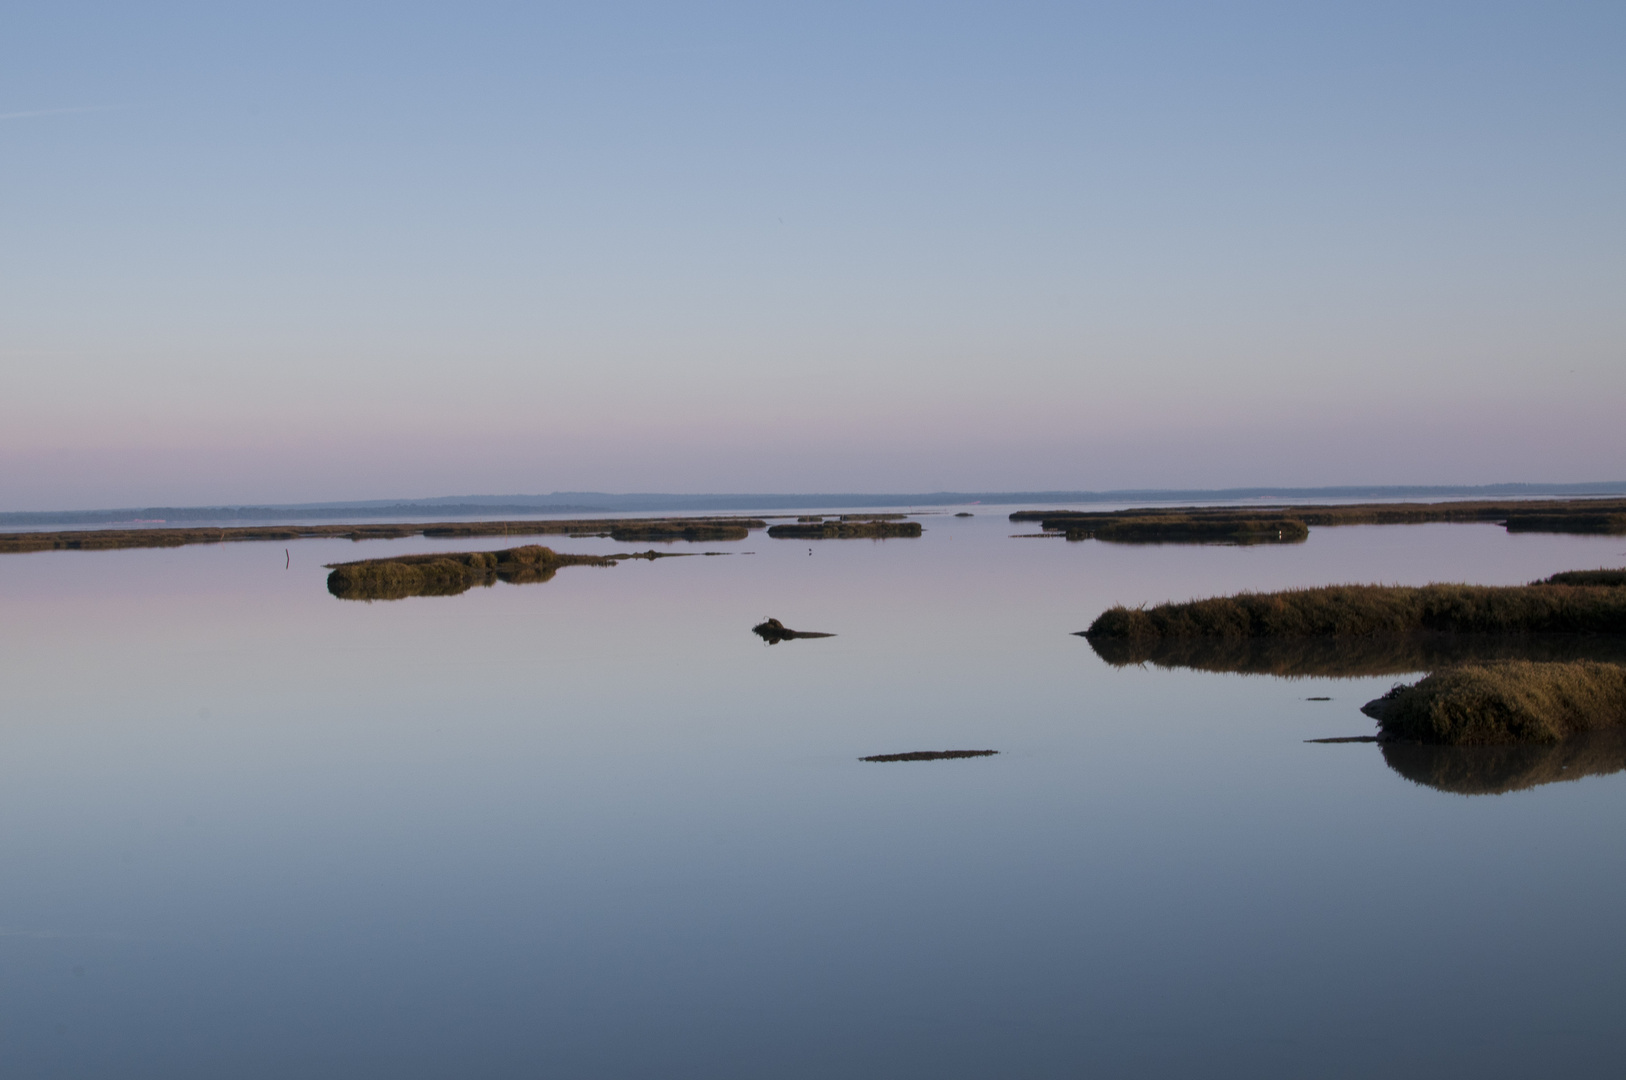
x: 594, y: 827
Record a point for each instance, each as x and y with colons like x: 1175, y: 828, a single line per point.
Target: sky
x: 298, y: 252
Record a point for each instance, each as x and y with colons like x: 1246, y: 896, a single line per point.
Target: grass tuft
x: 1362, y: 610
x: 1512, y: 701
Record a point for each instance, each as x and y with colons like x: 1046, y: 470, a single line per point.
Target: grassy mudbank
x: 1510, y: 702
x: 634, y: 529
x: 929, y: 755
x: 682, y: 530
x: 1353, y: 657
x: 773, y: 632
x: 845, y: 530
x: 1496, y: 770
x: 1349, y: 611
x: 1612, y: 578
x: 1191, y: 529
x: 452, y: 572
x: 1182, y: 524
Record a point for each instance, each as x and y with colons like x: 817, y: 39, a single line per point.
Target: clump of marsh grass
x: 1351, y: 611
x: 1194, y: 529
x: 773, y: 632
x: 1612, y: 578
x: 1596, y: 516
x: 1508, y: 702
x: 844, y: 530
x: 453, y: 572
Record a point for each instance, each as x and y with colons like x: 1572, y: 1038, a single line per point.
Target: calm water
x: 595, y: 828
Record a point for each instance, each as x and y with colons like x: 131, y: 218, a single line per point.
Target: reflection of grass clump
x: 1512, y: 701
x: 1352, y: 657
x: 1359, y: 610
x: 1494, y: 770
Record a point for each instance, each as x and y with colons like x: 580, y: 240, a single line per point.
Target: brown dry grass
x: 632, y: 529
x: 1606, y: 516
x: 845, y: 530
x: 1361, y: 610
x: 1511, y: 701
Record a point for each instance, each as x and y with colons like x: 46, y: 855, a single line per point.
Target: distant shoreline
x: 579, y: 503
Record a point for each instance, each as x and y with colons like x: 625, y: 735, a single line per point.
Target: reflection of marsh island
x: 1495, y: 770
x: 633, y: 530
x: 452, y: 572
x: 1291, y: 524
x: 1353, y: 657
x: 877, y: 528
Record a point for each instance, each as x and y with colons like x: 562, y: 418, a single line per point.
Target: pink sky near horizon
x: 254, y: 260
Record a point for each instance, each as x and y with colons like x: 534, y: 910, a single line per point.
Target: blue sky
x: 276, y: 253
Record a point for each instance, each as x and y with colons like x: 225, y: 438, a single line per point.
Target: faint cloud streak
x: 32, y: 113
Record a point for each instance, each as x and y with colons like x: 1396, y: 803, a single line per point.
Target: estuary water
x: 593, y: 827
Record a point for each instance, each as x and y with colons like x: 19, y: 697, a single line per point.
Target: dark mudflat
x: 929, y: 755
x: 1347, y: 738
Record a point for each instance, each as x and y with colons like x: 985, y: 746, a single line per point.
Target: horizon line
x: 645, y: 502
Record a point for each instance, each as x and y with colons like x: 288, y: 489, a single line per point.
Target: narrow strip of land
x: 845, y: 530
x: 453, y: 572
x: 1353, y: 611
x: 630, y: 530
x: 1290, y: 524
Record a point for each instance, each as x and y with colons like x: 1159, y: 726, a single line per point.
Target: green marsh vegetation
x: 1505, y: 702
x: 636, y: 530
x: 453, y: 572
x: 1291, y: 524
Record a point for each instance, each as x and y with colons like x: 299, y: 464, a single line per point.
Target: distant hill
x: 594, y: 502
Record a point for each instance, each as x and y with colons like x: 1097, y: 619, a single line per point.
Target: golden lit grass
x: 1510, y: 701
x: 1362, y: 610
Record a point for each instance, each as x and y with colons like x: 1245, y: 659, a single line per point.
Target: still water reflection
x: 1335, y: 658
x: 594, y: 828
x: 1493, y: 770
